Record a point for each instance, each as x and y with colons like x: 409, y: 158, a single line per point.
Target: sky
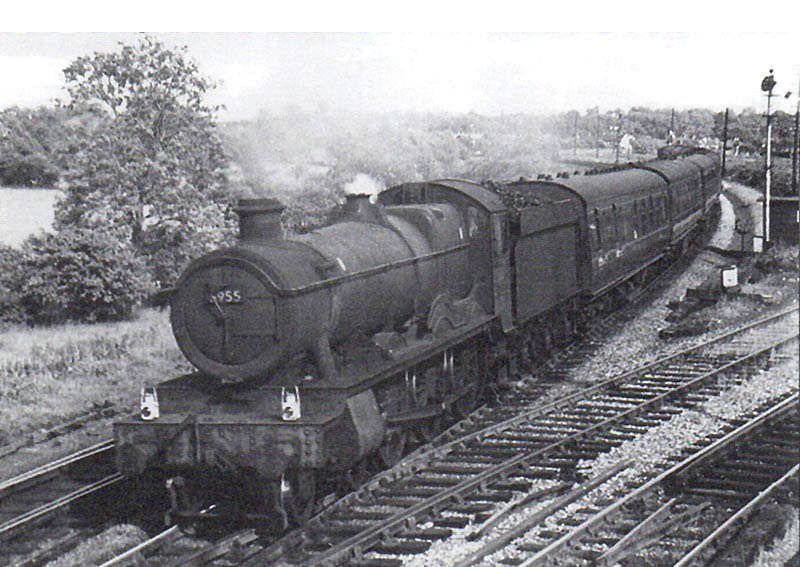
x: 487, y: 73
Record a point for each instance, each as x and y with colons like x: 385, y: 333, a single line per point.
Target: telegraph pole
x: 575, y: 147
x: 724, y: 141
x: 671, y: 127
x: 795, y: 147
x: 767, y: 84
x: 597, y: 137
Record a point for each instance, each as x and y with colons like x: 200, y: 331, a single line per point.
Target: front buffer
x: 249, y: 444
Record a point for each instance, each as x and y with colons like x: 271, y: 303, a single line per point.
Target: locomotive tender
x: 317, y: 351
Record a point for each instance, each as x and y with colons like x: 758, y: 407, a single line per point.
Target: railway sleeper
x: 402, y: 492
x: 526, y: 437
x: 512, y: 485
x: 593, y: 408
x: 552, y: 533
x: 444, y: 468
x: 746, y: 487
x: 476, y: 459
x: 664, y: 413
x: 488, y: 452
x: 613, y: 405
x: 787, y: 439
x: 452, y: 521
x: 617, y: 436
x: 395, y: 501
x: 518, y: 447
x: 402, y: 547
x: 748, y: 466
x: 643, y: 391
x: 376, y: 562
x: 633, y: 429
x: 736, y: 475
x: 440, y: 482
x: 548, y: 431
x: 542, y: 471
x: 470, y: 508
x: 776, y: 460
x: 528, y: 547
x: 343, y: 531
x: 718, y: 494
x: 431, y: 534
x: 490, y: 496
x: 572, y: 457
x: 594, y: 444
x: 351, y: 515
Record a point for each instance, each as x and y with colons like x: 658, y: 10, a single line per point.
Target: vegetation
x: 51, y: 375
x: 79, y: 275
x: 749, y: 170
x: 30, y: 141
x: 153, y: 172
x: 144, y: 173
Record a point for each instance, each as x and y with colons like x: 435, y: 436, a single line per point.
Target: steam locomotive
x: 318, y: 352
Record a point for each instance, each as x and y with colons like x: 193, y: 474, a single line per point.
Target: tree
x: 29, y: 143
x: 153, y: 172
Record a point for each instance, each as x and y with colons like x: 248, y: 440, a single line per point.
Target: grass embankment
x: 50, y: 376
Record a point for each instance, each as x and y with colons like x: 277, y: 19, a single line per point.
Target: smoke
x: 363, y: 184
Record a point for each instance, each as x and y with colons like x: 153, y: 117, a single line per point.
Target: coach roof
x: 604, y: 188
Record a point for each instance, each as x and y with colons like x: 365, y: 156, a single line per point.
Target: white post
x: 768, y: 179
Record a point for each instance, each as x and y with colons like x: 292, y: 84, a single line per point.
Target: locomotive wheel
x: 425, y: 431
x: 393, y: 446
x: 300, y: 500
x: 467, y: 382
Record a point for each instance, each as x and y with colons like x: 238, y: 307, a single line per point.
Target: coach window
x: 596, y: 227
x: 630, y: 220
x: 472, y: 222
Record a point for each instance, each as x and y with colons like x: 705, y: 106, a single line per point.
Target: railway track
x: 686, y: 513
x: 35, y: 500
x: 493, y: 459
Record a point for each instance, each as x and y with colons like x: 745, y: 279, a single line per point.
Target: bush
x: 751, y: 173
x: 80, y: 275
x: 11, y: 278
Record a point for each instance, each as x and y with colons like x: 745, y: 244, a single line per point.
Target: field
x: 51, y: 376
x: 24, y: 211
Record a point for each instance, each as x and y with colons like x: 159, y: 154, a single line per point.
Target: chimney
x: 359, y: 206
x: 259, y: 219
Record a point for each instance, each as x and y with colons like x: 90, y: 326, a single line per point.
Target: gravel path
x: 724, y: 237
